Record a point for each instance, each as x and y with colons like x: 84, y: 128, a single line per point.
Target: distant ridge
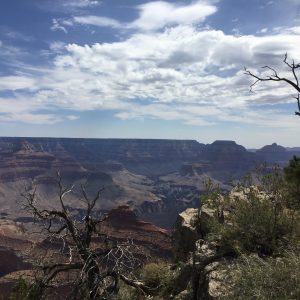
x: 156, y: 177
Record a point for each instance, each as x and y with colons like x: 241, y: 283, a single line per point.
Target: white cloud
x: 57, y: 46
x: 73, y: 6
x: 183, y: 73
x: 56, y: 26
x: 168, y: 68
x: 37, y: 119
x: 14, y: 83
x: 9, y: 55
x: 236, y: 32
x: 81, y: 3
x: 263, y: 30
x: 72, y: 117
x: 97, y: 21
x: 152, y: 16
x: 25, y: 110
x: 294, y: 30
x: 12, y: 34
x: 158, y: 14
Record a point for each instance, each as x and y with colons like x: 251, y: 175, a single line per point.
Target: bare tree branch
x: 98, y: 270
x: 275, y: 77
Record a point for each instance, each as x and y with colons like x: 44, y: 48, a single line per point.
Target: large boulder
x: 185, y: 234
x: 191, y: 225
x: 202, y: 260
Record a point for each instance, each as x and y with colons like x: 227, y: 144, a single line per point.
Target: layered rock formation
x: 274, y: 154
x: 122, y: 223
x: 203, y: 262
x: 158, y: 178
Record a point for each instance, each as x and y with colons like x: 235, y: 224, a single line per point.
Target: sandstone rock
x: 189, y: 228
x: 206, y: 216
x: 10, y: 261
x: 122, y: 223
x: 186, y: 234
x: 216, y: 275
x: 184, y: 295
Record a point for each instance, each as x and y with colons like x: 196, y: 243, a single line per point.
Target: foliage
x: 264, y: 279
x: 292, y: 176
x: 292, y: 171
x: 25, y: 290
x: 254, y: 218
x: 157, y: 276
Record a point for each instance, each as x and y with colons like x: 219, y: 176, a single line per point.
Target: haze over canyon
x: 156, y: 178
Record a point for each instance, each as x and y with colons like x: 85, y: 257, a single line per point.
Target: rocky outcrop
x: 209, y: 254
x: 10, y: 261
x: 191, y: 225
x: 122, y: 223
x: 202, y: 261
x: 13, y: 245
x: 194, y: 169
x: 274, y: 154
x: 185, y: 234
x: 228, y: 160
x: 159, y: 178
x: 101, y: 150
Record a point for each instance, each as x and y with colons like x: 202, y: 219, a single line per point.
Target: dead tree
x: 274, y: 76
x: 98, y: 270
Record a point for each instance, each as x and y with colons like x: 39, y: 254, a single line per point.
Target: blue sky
x: 138, y: 69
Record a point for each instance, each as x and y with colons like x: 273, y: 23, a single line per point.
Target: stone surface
x: 158, y: 178
x: 185, y: 234
x: 274, y: 154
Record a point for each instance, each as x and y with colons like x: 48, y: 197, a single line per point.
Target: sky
x: 148, y: 69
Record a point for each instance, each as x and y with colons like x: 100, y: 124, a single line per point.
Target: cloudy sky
x: 138, y: 69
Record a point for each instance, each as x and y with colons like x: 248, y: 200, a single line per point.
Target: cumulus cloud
x: 57, y: 46
x: 183, y: 73
x: 179, y: 66
x: 152, y: 16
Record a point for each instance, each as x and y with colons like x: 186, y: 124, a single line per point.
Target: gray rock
x: 186, y: 234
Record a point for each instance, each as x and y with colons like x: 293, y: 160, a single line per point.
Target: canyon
x: 157, y: 178
x: 144, y: 185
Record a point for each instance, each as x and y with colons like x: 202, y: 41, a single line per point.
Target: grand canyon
x: 156, y: 178
x: 146, y: 184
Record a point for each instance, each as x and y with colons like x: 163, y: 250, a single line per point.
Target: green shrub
x: 255, y: 278
x: 157, y: 276
x: 257, y: 224
x: 292, y: 176
x: 25, y: 290
x: 254, y: 217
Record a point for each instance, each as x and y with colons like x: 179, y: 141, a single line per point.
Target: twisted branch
x: 273, y: 76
